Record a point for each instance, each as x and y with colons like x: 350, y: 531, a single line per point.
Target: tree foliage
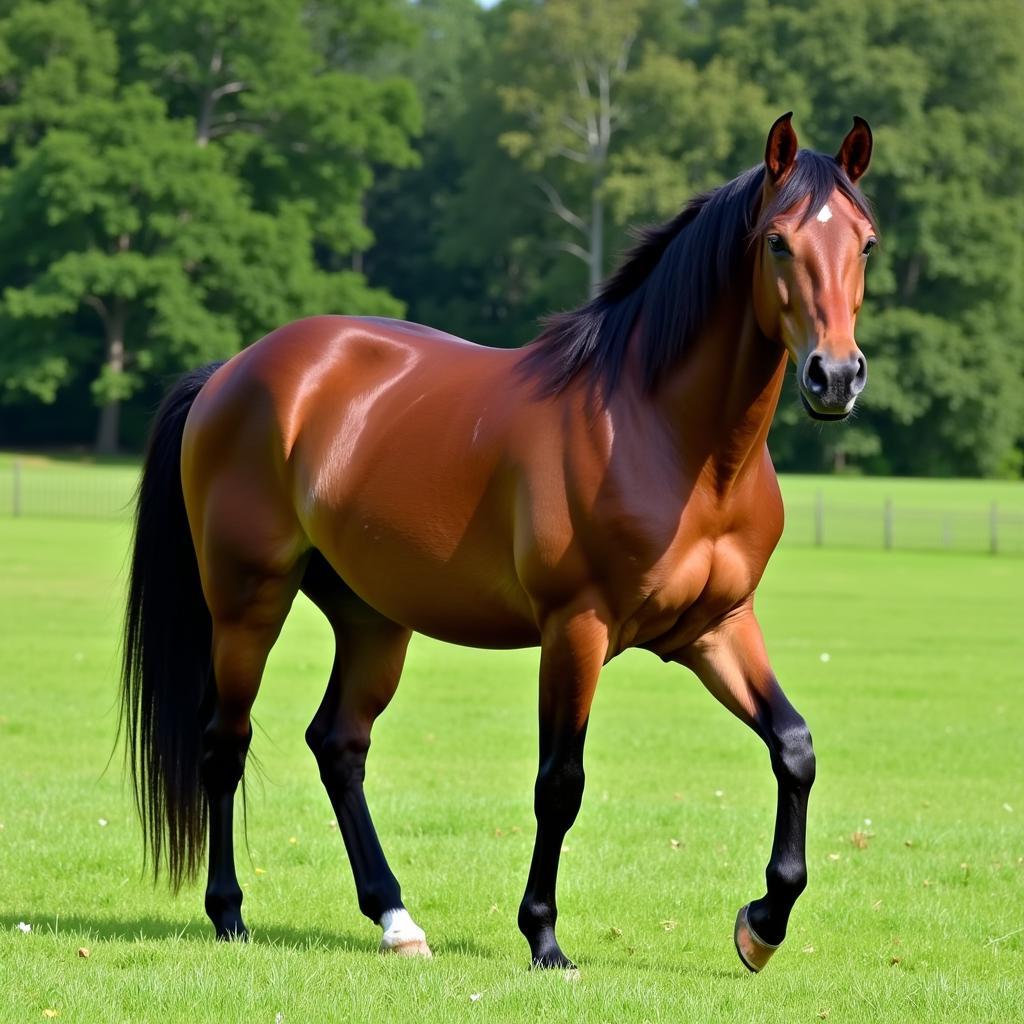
x: 175, y: 179
x: 514, y: 194
x: 944, y: 322
x: 180, y: 179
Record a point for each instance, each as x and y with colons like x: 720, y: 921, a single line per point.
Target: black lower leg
x: 221, y: 769
x: 557, y: 799
x: 786, y: 875
x: 342, y: 765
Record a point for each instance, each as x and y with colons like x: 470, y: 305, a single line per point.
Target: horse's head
x: 814, y: 234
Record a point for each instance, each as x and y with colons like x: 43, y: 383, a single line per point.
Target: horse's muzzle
x: 829, y: 387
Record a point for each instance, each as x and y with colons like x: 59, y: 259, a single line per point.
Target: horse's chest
x: 691, y: 591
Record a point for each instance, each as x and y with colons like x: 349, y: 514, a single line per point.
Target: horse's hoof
x: 414, y: 947
x: 402, y: 935
x: 752, y: 949
x: 553, y: 960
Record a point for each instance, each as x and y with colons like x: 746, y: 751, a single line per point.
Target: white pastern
x: 825, y: 214
x: 402, y: 934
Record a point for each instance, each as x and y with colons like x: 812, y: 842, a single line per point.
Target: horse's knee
x: 788, y: 874
x: 559, y: 791
x: 342, y: 760
x: 793, y: 755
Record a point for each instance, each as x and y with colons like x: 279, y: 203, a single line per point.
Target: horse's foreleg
x: 574, y: 644
x: 733, y: 665
x: 367, y: 666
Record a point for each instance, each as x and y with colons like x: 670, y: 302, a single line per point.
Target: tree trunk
x: 596, y: 249
x: 208, y: 100
x: 108, y: 432
x: 109, y: 429
x: 913, y: 275
x: 598, y: 159
x: 204, y: 120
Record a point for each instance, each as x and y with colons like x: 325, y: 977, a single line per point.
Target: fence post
x: 819, y: 519
x: 888, y: 524
x: 16, y: 488
x: 993, y: 529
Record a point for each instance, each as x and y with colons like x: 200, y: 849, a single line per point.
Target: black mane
x: 673, y: 276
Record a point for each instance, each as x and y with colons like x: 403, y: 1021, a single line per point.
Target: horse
x: 607, y: 486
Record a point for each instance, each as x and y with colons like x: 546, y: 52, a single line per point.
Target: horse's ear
x: 855, y: 153
x: 780, y: 150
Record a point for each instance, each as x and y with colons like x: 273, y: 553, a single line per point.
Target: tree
x: 569, y: 61
x: 125, y: 217
x: 454, y: 236
x: 412, y: 212
x: 550, y: 127
x: 51, y: 55
x: 144, y: 229
x: 944, y: 322
x: 500, y: 246
x: 690, y: 129
x: 279, y: 84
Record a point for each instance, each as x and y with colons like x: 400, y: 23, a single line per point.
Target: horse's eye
x: 777, y: 244
x: 869, y: 245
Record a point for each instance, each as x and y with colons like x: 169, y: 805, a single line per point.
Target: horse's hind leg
x: 248, y: 610
x: 573, y: 646
x: 368, y: 662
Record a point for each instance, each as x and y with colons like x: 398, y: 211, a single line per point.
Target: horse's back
x: 385, y: 445
x: 313, y: 381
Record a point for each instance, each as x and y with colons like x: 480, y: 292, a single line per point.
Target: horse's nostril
x: 814, y: 374
x: 860, y: 378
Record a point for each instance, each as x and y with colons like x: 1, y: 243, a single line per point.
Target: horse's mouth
x: 824, y: 417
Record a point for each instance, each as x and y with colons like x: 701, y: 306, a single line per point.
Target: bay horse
x: 607, y: 486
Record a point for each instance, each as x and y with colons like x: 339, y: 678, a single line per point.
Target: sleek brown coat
x: 607, y: 487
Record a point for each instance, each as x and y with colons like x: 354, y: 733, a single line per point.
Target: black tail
x: 166, y: 665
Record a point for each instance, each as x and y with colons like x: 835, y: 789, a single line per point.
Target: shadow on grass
x: 132, y: 929
x: 198, y: 930
x: 670, y: 965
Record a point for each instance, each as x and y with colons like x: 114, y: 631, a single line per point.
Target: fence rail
x: 897, y: 525
x: 73, y: 491
x: 37, y: 491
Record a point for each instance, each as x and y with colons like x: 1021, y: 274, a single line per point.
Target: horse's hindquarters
x: 386, y: 448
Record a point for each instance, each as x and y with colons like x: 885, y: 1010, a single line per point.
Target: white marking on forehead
x: 825, y: 214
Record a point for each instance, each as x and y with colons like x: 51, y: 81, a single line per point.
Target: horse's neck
x: 719, y: 402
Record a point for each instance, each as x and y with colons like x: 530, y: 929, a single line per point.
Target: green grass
x: 917, y: 718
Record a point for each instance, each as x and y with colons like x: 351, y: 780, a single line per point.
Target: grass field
x: 917, y: 716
